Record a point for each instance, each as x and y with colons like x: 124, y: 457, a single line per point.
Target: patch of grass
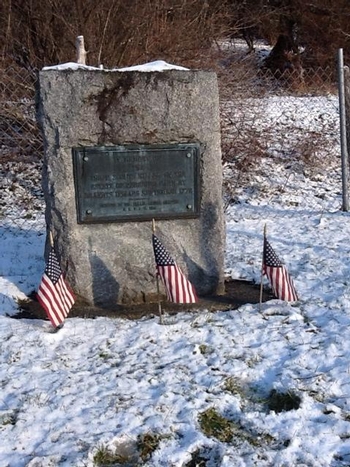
x: 147, y: 443
x: 40, y: 399
x: 128, y: 452
x: 234, y: 386
x: 197, y: 460
x: 253, y: 361
x: 205, y: 349
x: 205, y: 456
x: 262, y: 439
x: 215, y: 425
x: 104, y: 355
x: 9, y: 418
x: 283, y: 401
x: 14, y: 357
x: 249, y: 395
x: 104, y: 457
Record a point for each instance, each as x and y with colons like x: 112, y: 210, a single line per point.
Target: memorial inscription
x: 136, y: 182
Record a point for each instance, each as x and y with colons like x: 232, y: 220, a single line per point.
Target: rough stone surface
x: 113, y: 263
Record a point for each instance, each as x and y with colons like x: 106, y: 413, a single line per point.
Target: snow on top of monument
x: 158, y: 65
x: 70, y: 66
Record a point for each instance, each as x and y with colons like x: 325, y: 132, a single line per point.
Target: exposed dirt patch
x: 237, y: 293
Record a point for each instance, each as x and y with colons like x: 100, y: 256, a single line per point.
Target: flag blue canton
x: 161, y: 255
x: 270, y: 257
x: 53, y: 268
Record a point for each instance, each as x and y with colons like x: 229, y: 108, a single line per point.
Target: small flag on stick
x: 54, y: 293
x: 178, y: 288
x: 281, y: 282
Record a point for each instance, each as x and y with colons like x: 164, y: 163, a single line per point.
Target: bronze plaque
x: 136, y: 182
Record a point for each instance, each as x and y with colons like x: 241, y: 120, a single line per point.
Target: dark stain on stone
x: 111, y: 97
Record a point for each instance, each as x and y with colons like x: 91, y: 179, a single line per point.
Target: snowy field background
x: 119, y: 392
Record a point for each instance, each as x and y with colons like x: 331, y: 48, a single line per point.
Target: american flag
x: 281, y: 282
x: 178, y: 288
x: 54, y: 293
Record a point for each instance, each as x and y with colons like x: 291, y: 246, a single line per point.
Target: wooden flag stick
x: 157, y: 278
x: 80, y: 48
x: 262, y: 272
x: 51, y: 239
x: 159, y: 302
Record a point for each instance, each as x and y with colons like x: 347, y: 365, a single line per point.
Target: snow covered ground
x: 119, y: 392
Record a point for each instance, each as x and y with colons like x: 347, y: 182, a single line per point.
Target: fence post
x: 343, y: 139
x: 81, y: 52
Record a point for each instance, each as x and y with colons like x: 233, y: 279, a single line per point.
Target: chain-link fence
x: 22, y: 224
x: 274, y: 128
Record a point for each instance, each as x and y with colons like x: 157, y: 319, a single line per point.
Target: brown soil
x: 237, y: 293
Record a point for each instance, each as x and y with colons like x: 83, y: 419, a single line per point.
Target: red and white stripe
x: 281, y: 283
x: 178, y: 288
x: 57, y: 299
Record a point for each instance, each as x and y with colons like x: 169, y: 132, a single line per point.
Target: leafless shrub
x: 117, y: 33
x: 241, y: 136
x: 309, y: 154
x: 277, y: 130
